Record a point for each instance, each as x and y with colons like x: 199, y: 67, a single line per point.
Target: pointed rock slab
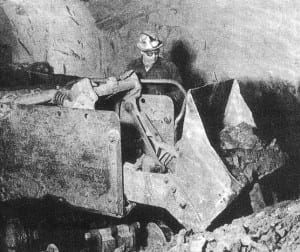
x: 237, y: 110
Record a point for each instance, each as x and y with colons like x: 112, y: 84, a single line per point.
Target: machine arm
x: 81, y: 94
x: 85, y: 92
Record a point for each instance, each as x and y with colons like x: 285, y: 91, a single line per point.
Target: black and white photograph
x: 149, y: 125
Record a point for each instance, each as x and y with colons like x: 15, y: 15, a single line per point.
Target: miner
x: 152, y: 66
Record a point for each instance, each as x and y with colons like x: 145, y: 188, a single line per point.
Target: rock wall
x: 60, y: 32
x: 208, y: 40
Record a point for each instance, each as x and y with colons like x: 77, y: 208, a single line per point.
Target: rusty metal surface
x: 114, y: 238
x: 156, y: 239
x: 203, y: 175
x: 160, y: 110
x: 161, y: 190
x: 199, y: 189
x: 68, y: 153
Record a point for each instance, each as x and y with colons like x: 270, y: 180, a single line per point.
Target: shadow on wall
x: 276, y: 111
x: 183, y: 56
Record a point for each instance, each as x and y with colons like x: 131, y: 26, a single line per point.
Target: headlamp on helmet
x: 149, y: 42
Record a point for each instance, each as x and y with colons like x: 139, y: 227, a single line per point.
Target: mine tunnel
x: 98, y: 158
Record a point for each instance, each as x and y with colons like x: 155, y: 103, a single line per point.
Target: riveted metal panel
x: 160, y: 110
x: 74, y: 154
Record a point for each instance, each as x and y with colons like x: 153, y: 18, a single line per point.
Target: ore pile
x: 246, y: 155
x: 273, y: 229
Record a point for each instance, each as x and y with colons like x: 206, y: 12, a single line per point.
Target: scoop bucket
x: 199, y: 188
x: 201, y: 171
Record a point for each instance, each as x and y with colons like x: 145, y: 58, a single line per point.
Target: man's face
x: 150, y: 57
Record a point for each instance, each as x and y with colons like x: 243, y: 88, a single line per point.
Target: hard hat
x: 149, y: 42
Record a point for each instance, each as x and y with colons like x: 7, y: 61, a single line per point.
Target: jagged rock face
x: 60, y: 32
x: 246, y: 155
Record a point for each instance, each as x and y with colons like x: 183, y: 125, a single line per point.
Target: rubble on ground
x: 276, y: 228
